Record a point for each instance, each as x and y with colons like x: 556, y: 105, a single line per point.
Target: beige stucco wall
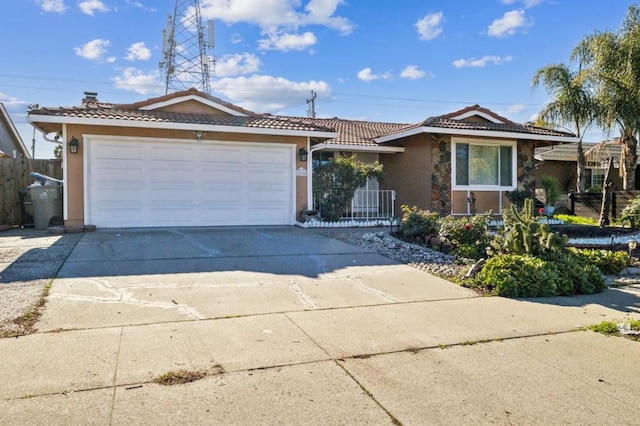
x: 409, y: 173
x: 75, y: 166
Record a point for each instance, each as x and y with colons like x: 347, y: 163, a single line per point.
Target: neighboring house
x: 561, y: 162
x: 190, y: 159
x: 11, y: 144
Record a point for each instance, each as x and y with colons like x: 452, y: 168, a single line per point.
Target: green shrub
x: 630, y: 215
x: 419, y: 223
x: 514, y: 275
x: 608, y: 262
x: 469, y: 236
x: 517, y: 197
x: 335, y: 183
x: 576, y: 220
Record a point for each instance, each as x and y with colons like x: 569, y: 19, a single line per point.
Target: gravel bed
x: 419, y: 257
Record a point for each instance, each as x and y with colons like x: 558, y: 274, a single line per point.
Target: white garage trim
x: 152, y: 182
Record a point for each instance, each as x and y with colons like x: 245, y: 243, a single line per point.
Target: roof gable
x: 475, y: 113
x: 476, y: 121
x: 10, y: 139
x: 190, y: 101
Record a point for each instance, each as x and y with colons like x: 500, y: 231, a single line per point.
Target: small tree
x: 335, y: 183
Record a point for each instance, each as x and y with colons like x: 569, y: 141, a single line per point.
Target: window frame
x: 480, y: 142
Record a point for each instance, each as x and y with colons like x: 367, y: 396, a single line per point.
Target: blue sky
x: 380, y: 60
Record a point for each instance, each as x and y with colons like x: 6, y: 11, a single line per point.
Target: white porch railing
x: 371, y: 204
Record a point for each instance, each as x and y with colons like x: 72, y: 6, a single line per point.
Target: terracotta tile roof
x: 105, y: 111
x: 445, y: 122
x: 350, y: 132
x: 182, y: 93
x: 474, y: 108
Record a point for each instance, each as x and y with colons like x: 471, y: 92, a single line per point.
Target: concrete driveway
x: 292, y: 327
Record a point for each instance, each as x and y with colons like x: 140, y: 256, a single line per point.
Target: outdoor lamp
x: 302, y: 154
x: 632, y: 246
x: 73, y: 145
x: 199, y: 134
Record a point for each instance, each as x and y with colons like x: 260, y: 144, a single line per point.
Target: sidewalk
x: 336, y: 342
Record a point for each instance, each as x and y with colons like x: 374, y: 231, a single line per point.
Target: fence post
x: 613, y: 204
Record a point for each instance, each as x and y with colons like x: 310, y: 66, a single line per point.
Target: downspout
x: 56, y: 138
x: 310, y: 171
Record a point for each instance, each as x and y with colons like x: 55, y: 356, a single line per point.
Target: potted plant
x: 551, y: 193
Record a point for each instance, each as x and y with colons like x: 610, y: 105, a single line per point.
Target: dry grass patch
x: 25, y: 324
x: 182, y: 376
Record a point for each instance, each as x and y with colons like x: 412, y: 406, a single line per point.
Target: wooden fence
x: 14, y: 176
x: 589, y: 205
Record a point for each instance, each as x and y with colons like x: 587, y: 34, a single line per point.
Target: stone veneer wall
x: 441, y: 177
x: 526, y: 166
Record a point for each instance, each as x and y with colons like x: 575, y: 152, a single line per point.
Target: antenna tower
x: 185, y: 63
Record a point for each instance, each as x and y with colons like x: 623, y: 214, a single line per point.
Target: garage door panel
x: 221, y: 155
x: 118, y: 151
x: 165, y: 184
x: 172, y: 154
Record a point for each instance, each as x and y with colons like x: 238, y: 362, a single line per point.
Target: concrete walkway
x: 291, y: 327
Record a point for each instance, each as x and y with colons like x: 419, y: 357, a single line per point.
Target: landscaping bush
x: 335, y: 183
x: 531, y: 261
x: 630, y: 216
x: 608, y: 262
x: 469, y: 236
x: 513, y: 275
x: 419, y: 223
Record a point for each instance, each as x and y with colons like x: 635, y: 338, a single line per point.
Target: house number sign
x: 301, y: 172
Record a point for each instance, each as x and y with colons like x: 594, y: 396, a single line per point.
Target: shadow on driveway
x: 280, y: 250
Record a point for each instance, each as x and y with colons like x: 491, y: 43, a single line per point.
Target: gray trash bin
x: 47, y: 205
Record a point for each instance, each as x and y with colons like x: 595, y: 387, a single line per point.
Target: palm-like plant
x: 613, y: 68
x: 572, y: 106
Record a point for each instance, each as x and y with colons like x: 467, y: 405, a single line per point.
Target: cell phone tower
x: 185, y: 63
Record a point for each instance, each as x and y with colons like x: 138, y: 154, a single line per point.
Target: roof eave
x: 480, y: 133
x: 178, y: 126
x: 363, y: 148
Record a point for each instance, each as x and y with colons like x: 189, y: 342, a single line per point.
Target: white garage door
x: 147, y: 183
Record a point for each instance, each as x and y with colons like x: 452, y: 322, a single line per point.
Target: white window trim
x: 514, y: 164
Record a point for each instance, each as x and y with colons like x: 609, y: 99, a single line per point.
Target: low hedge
x: 514, y: 275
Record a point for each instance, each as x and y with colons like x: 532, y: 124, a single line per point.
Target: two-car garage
x: 146, y: 182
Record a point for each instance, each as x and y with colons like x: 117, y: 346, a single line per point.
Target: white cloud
x: 367, y: 75
x: 93, y: 50
x: 56, y: 6
x: 238, y: 64
x: 413, y: 73
x: 279, y: 20
x: 138, y: 52
x: 89, y: 7
x: 482, y: 62
x: 15, y: 107
x: 261, y: 93
x: 135, y: 80
x: 286, y: 42
x: 516, y: 108
x: 429, y: 27
x: 508, y: 24
x: 140, y: 5
x: 528, y: 4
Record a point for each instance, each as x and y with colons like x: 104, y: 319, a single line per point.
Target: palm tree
x: 613, y: 68
x: 572, y: 106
